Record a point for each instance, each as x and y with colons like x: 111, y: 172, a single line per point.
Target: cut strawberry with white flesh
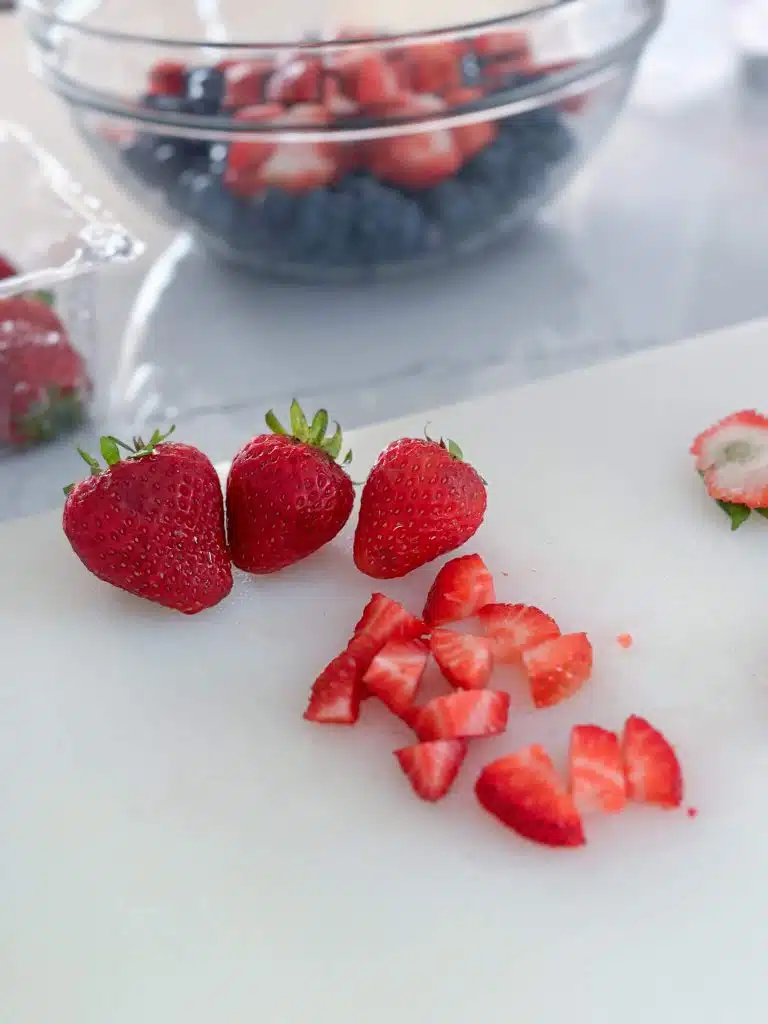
x: 524, y: 792
x: 297, y: 80
x: 465, y: 661
x: 653, y: 772
x: 732, y: 456
x: 432, y: 767
x: 558, y: 668
x: 461, y: 587
x: 382, y: 620
x: 420, y: 159
x: 463, y: 714
x: 395, y: 673
x: 471, y: 138
x: 514, y: 628
x: 297, y: 167
x: 596, y: 768
x: 244, y: 82
x: 366, y: 77
x: 246, y: 156
x: 336, y: 693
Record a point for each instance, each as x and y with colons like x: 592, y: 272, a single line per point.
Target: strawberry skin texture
x: 514, y: 628
x: 432, y: 767
x: 285, y: 500
x: 461, y: 587
x: 462, y: 715
x: 524, y: 792
x: 653, y: 772
x: 596, y: 770
x: 465, y: 661
x: 558, y: 668
x: 418, y: 503
x: 154, y: 526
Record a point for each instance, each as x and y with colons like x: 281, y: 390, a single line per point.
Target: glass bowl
x: 349, y: 151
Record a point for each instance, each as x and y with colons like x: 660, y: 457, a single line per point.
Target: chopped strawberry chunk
x: 244, y: 82
x: 463, y: 714
x: 7, y: 269
x: 461, y: 587
x: 336, y: 693
x: 385, y: 619
x: 416, y: 160
x: 434, y: 67
x: 297, y: 167
x: 246, y: 156
x: 524, y: 792
x: 513, y: 628
x: 732, y: 456
x: 502, y: 44
x: 432, y: 767
x: 558, y: 668
x: 297, y: 80
x: 465, y: 661
x: 653, y: 772
x: 168, y: 78
x: 367, y: 78
x: 471, y: 138
x: 596, y: 770
x: 395, y: 673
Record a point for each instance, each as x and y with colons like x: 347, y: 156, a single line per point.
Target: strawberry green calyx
x: 312, y: 433
x: 110, y: 448
x: 447, y: 444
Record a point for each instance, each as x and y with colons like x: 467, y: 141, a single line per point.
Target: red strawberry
x: 732, y: 457
x: 336, y: 693
x: 432, y: 767
x: 44, y: 385
x: 395, y: 673
x: 434, y: 67
x: 244, y: 83
x: 571, y: 104
x: 246, y: 156
x: 465, y: 661
x: 168, y: 78
x: 420, y: 501
x: 653, y: 771
x: 286, y: 494
x: 471, y: 138
x: 596, y: 770
x: 384, y: 619
x: 524, y: 792
x: 558, y: 668
x: 152, y: 524
x: 502, y: 44
x: 300, y: 166
x: 463, y: 714
x: 297, y: 80
x: 418, y: 159
x: 366, y: 77
x: 514, y: 628
x: 461, y: 587
x: 7, y: 269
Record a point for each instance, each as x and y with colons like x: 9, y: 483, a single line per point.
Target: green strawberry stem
x: 312, y: 434
x: 110, y: 446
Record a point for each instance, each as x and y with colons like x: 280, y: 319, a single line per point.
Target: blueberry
x: 309, y: 225
x: 205, y: 91
x: 461, y: 208
x: 543, y: 130
x: 165, y: 104
x: 388, y: 226
x: 493, y: 167
x: 471, y: 71
x: 204, y: 199
x: 158, y: 160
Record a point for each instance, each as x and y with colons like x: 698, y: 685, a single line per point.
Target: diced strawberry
x: 471, y: 138
x: 732, y: 456
x: 168, y: 78
x: 461, y: 587
x: 558, y: 668
x: 462, y: 714
x: 385, y: 619
x: 366, y: 77
x: 524, y: 792
x: 653, y: 772
x: 298, y: 80
x: 417, y: 160
x: 502, y: 44
x: 465, y: 661
x: 596, y: 770
x: 514, y: 628
x: 395, y: 673
x: 434, y: 67
x: 432, y: 767
x: 245, y: 81
x: 246, y: 156
x: 297, y: 167
x: 336, y: 693
x: 7, y: 269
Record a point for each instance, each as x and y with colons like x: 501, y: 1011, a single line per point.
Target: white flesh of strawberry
x: 738, y: 457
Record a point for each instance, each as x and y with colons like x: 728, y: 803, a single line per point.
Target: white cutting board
x: 178, y: 845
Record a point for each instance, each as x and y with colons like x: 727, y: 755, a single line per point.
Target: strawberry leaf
x: 299, y: 424
x: 92, y: 464
x: 275, y: 425
x: 738, y: 514
x: 109, y: 451
x: 332, y: 447
x: 454, y: 450
x: 762, y: 512
x: 318, y: 428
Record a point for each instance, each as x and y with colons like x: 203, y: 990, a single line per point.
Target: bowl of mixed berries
x: 342, y: 150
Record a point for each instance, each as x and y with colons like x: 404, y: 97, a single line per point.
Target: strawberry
x: 299, y: 166
x: 465, y: 661
x: 461, y: 587
x: 246, y: 156
x: 152, y: 523
x: 732, y: 457
x: 514, y: 628
x: 297, y: 80
x: 596, y: 770
x: 502, y: 44
x: 652, y: 769
x: 7, y: 269
x: 434, y: 67
x: 366, y: 78
x: 244, y: 83
x: 384, y: 619
x: 418, y: 159
x: 286, y: 494
x: 420, y: 501
x: 44, y: 385
x: 558, y: 668
x: 336, y: 693
x: 432, y: 767
x: 168, y: 78
x: 463, y: 714
x: 524, y: 792
x: 395, y: 673
x: 471, y: 138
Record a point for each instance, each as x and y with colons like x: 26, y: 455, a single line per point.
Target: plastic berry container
x: 54, y: 241
x: 348, y: 150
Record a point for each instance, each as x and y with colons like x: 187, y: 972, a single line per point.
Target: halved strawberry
x: 524, y: 792
x: 395, y: 673
x: 558, y: 668
x: 366, y: 77
x: 418, y: 160
x: 244, y: 82
x: 596, y: 769
x: 336, y: 693
x: 461, y: 587
x: 7, y: 269
x: 471, y: 138
x: 732, y: 456
x: 434, y: 67
x: 385, y: 619
x: 462, y: 714
x: 296, y: 80
x: 246, y: 156
x: 653, y: 772
x: 513, y: 628
x: 502, y: 44
x: 432, y: 767
x: 465, y: 661
x: 168, y: 78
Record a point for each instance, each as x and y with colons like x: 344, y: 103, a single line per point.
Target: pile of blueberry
x: 346, y: 205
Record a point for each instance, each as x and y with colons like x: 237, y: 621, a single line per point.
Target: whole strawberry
x: 420, y: 501
x: 44, y: 386
x: 152, y: 523
x: 287, y: 495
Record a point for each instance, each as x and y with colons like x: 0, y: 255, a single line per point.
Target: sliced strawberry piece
x: 385, y: 619
x: 418, y: 160
x: 596, y: 770
x: 732, y: 455
x: 336, y: 693
x: 297, y: 167
x: 168, y: 78
x: 395, y: 673
x: 558, y: 668
x: 502, y: 44
x: 246, y: 156
x: 653, y: 772
x: 465, y: 661
x: 524, y: 792
x: 571, y: 104
x: 471, y: 138
x: 463, y: 714
x: 297, y: 80
x: 7, y: 269
x: 432, y: 767
x: 245, y: 82
x: 435, y: 67
x: 367, y: 78
x: 514, y: 628
x: 461, y: 587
